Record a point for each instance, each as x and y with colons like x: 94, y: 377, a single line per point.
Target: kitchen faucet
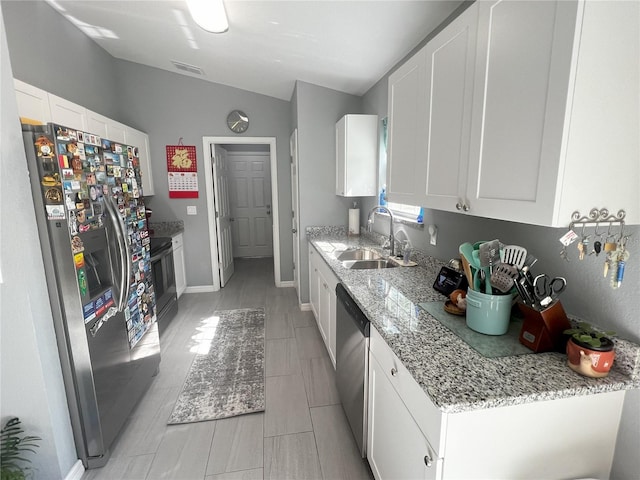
x: 391, y: 234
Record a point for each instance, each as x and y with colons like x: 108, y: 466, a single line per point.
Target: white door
x: 223, y: 214
x: 250, y: 191
x: 293, y: 148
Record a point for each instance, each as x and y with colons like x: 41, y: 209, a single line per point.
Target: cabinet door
x: 314, y: 297
x: 178, y: 262
x: 324, y: 313
x: 97, y: 124
x: 523, y: 66
x: 141, y: 140
x: 450, y: 58
x: 356, y: 155
x: 67, y: 114
x: 396, y: 448
x: 33, y: 103
x: 406, y: 161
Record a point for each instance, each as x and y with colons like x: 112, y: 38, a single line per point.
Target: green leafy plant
x: 586, y: 334
x: 13, y: 447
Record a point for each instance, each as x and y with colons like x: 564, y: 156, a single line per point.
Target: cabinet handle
x: 458, y: 206
x: 394, y: 372
x: 427, y: 461
x: 465, y: 207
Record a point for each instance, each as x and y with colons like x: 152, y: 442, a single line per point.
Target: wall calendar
x: 182, y: 171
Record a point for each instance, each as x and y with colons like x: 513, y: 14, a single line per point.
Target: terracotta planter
x: 590, y: 361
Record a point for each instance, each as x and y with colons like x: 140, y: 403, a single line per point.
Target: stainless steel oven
x: 164, y: 281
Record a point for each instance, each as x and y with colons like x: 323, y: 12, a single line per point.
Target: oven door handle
x: 123, y: 250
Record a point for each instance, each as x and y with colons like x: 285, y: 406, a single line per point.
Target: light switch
x: 192, y: 210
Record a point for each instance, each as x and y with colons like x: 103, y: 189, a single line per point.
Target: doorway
x: 218, y: 162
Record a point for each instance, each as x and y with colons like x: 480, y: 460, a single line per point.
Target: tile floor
x: 303, y: 434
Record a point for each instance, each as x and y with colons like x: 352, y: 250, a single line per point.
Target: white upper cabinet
x: 141, y: 140
x: 105, y: 127
x: 67, y: 114
x: 544, y: 135
x: 406, y: 160
x: 450, y: 58
x: 356, y: 155
x: 41, y: 106
x: 33, y: 103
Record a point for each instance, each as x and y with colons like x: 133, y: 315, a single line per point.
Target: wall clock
x: 238, y: 121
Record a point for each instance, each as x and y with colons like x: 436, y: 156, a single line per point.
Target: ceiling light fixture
x: 210, y: 15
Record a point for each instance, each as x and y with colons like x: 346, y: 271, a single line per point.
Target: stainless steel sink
x: 369, y: 264
x: 359, y: 254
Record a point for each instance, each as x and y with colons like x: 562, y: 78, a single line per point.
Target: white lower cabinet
x: 178, y: 264
x: 396, y: 447
x: 409, y: 437
x: 322, y: 293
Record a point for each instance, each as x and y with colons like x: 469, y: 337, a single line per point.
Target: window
x: 405, y: 212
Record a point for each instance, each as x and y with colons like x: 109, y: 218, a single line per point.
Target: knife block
x: 542, y: 329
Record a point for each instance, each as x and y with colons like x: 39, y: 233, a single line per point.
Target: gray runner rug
x: 229, y: 379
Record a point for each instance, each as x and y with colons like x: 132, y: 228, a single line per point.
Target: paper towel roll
x: 354, y: 221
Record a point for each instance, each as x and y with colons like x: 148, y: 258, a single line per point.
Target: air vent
x: 185, y: 67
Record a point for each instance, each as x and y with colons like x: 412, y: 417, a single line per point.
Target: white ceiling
x: 343, y: 45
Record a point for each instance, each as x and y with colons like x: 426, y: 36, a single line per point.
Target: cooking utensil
x: 503, y: 276
x: 547, y: 289
x: 489, y: 253
x: 466, y: 252
x: 466, y: 267
x: 514, y: 255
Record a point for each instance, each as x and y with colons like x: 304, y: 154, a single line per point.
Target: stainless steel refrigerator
x: 95, y: 246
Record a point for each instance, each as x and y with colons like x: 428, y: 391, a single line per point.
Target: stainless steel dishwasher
x: 352, y: 364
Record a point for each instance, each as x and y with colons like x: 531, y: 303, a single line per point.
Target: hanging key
x: 583, y: 246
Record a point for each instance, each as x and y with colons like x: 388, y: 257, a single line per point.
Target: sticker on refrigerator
x: 52, y: 180
x: 88, y: 312
x: 44, y: 147
x: 55, y: 212
x: 82, y: 282
x: 77, y: 245
x: 78, y: 260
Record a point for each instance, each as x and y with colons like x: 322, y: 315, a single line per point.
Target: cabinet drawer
x: 177, y: 241
x: 426, y: 414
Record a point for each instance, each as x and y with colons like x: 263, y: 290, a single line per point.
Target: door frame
x: 293, y: 152
x: 207, y: 143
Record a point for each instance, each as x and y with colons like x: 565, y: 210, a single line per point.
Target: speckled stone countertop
x: 455, y: 376
x: 167, y: 229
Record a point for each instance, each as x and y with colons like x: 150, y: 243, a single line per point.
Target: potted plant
x: 589, y: 351
x: 13, y: 446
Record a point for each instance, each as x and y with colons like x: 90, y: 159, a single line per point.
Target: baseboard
x: 287, y: 284
x: 305, y: 307
x: 199, y: 289
x: 76, y: 472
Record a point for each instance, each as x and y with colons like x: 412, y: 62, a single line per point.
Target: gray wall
x: 588, y: 294
x: 165, y: 105
x: 48, y: 52
x: 168, y: 106
x: 318, y: 110
x: 32, y: 387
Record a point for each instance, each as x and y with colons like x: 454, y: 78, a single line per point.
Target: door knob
x: 293, y: 230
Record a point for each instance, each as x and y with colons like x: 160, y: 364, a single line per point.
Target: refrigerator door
x: 86, y: 219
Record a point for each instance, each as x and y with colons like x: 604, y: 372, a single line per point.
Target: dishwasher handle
x: 352, y: 309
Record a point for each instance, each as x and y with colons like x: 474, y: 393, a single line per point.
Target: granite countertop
x: 454, y: 375
x: 167, y: 229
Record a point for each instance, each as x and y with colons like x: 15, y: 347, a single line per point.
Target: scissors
x: 547, y: 289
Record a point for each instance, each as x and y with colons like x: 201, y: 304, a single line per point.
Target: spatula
x: 514, y: 255
x: 503, y: 277
x: 489, y: 256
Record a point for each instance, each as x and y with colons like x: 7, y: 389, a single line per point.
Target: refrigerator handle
x: 123, y: 247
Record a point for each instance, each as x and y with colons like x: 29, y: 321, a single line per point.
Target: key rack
x: 611, y: 244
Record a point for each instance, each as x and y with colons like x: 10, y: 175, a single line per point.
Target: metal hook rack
x: 595, y: 218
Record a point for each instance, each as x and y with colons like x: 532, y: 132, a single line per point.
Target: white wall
x: 32, y: 387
